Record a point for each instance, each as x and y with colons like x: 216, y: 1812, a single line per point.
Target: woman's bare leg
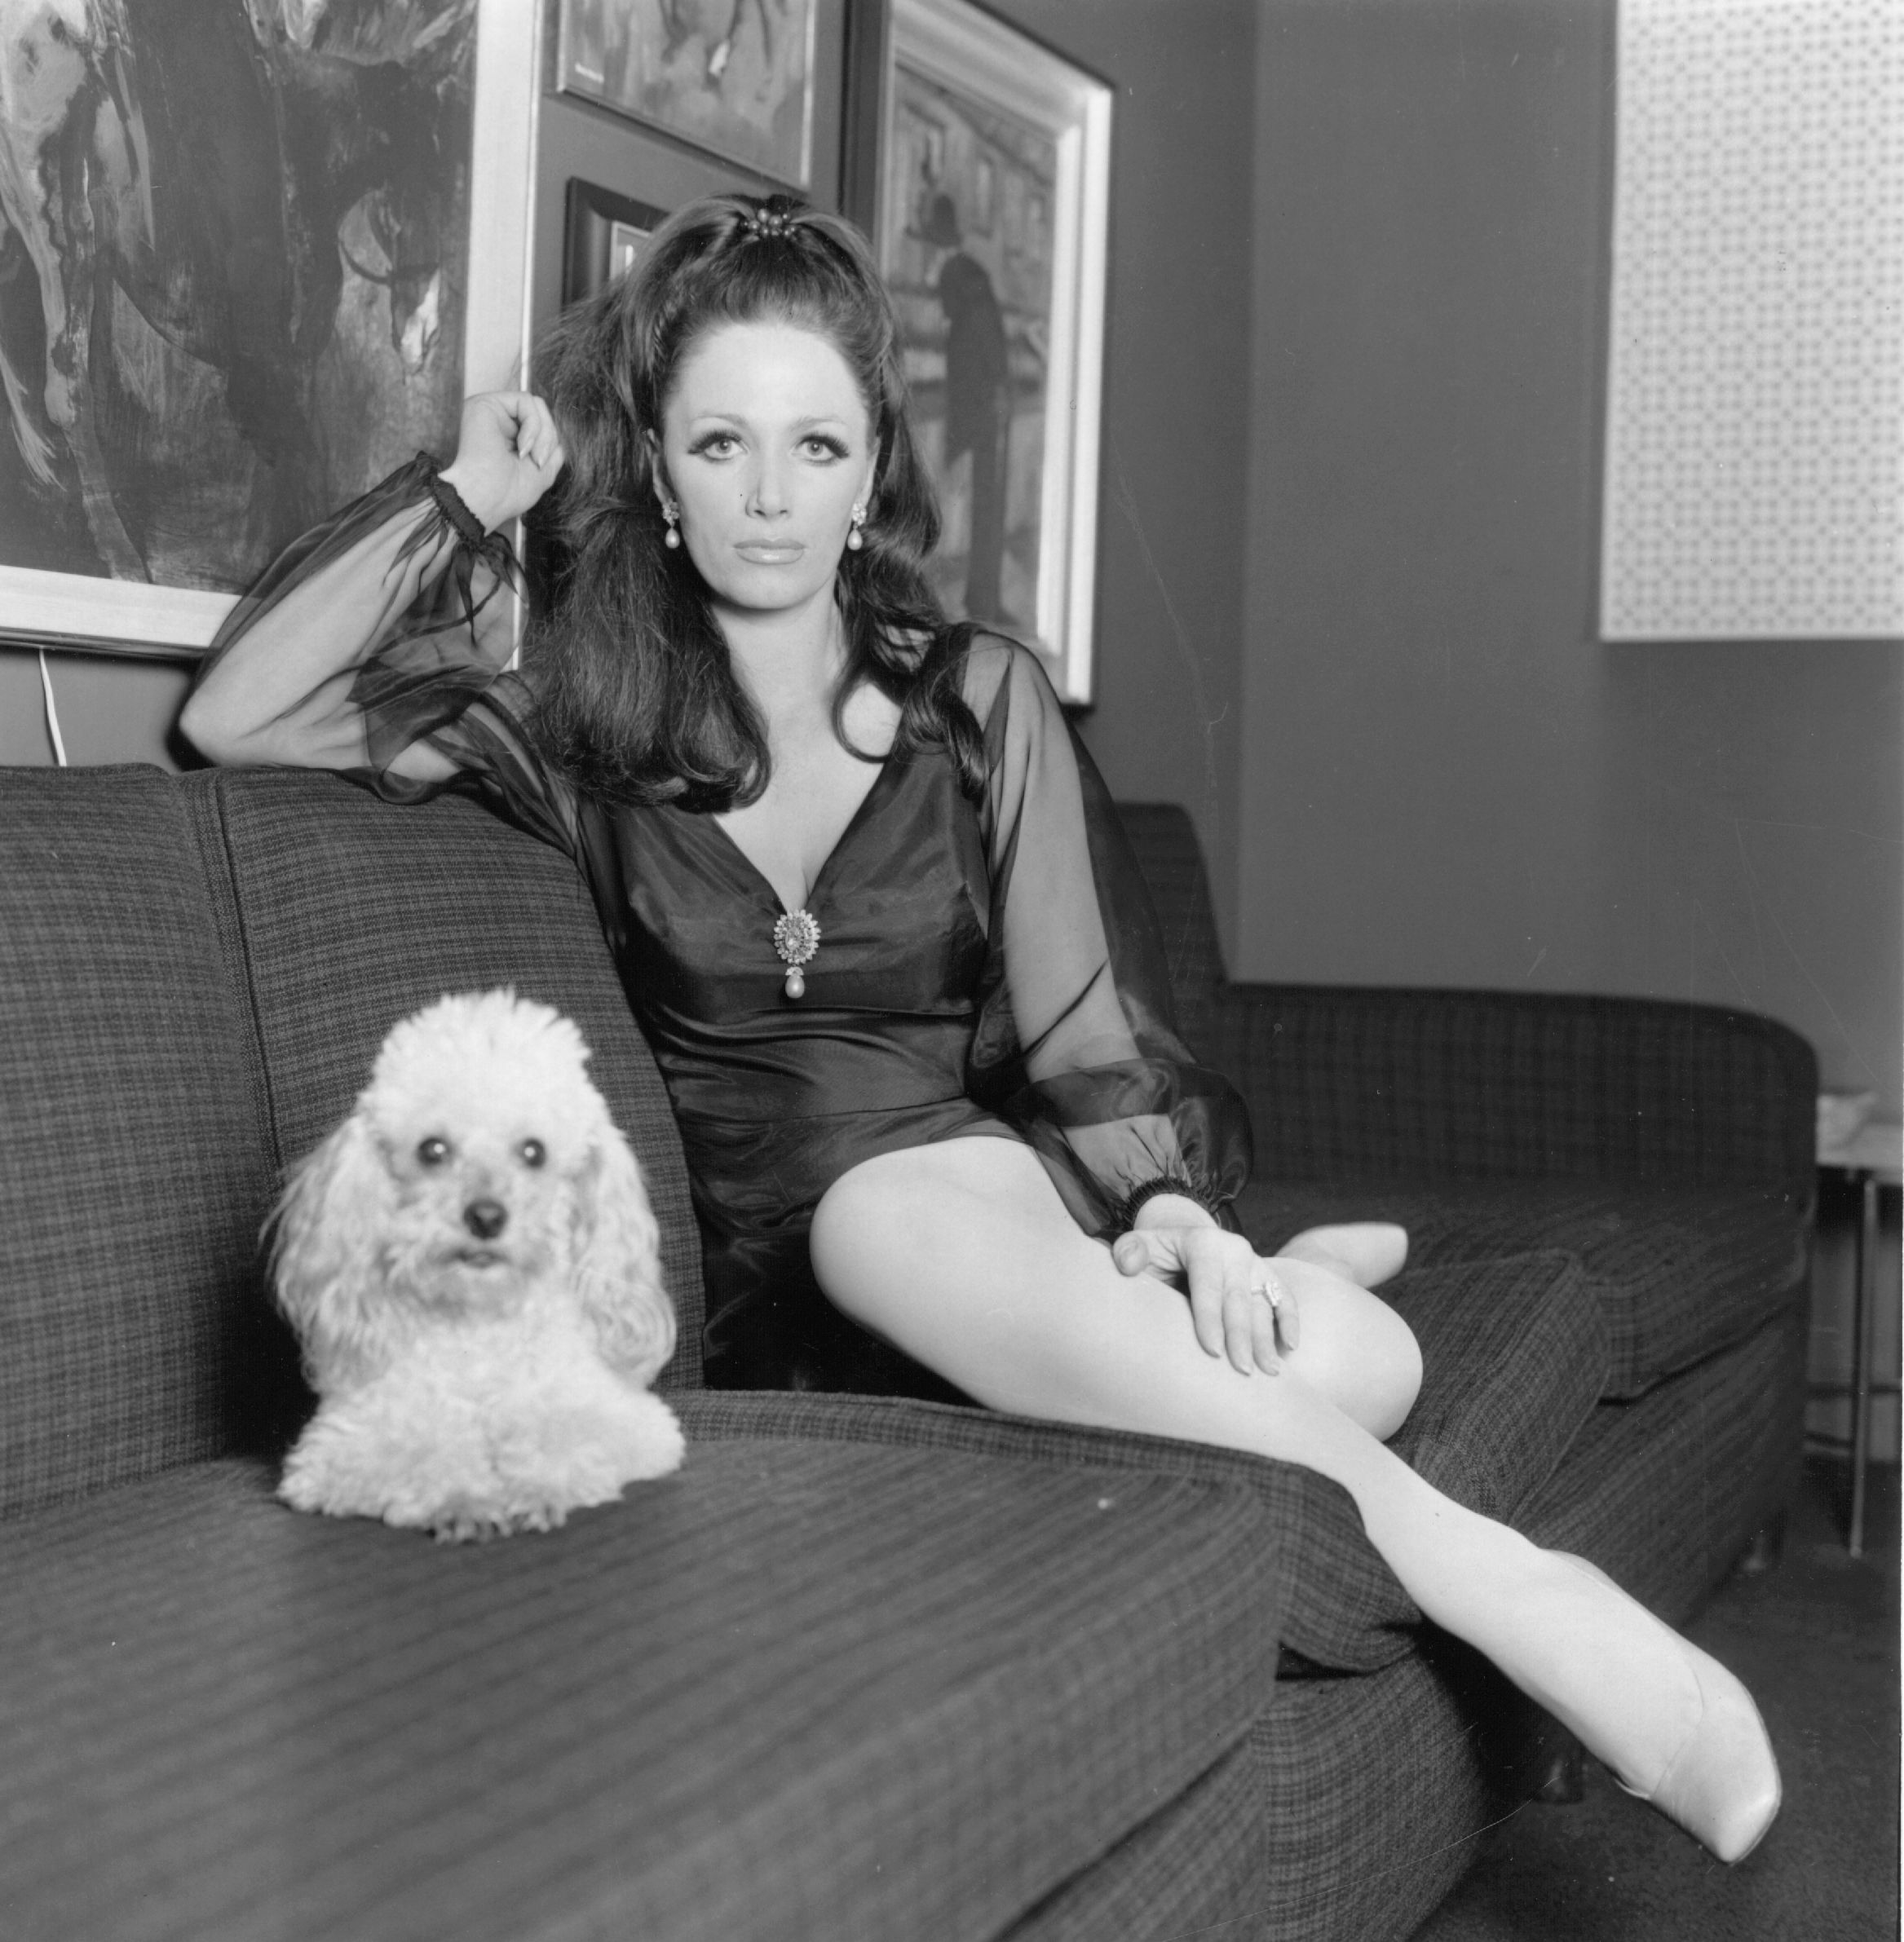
x: 963, y: 1254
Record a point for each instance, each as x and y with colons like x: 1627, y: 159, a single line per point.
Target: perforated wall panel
x: 1754, y: 444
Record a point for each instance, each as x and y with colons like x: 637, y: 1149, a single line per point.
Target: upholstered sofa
x: 864, y: 1668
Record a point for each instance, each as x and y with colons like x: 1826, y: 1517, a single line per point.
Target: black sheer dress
x: 986, y: 967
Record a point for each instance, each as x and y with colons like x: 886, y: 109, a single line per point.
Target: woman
x: 866, y: 898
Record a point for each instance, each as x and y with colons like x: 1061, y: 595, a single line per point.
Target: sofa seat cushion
x: 1724, y: 1438
x: 796, y: 1689
x: 1679, y: 1274
x: 1514, y: 1355
x: 1341, y: 1605
x: 131, y: 1147
x: 1195, y: 1869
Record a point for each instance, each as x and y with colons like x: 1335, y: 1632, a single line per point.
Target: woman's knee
x: 1357, y: 1351
x: 1397, y: 1381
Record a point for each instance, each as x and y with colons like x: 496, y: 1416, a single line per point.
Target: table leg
x: 1866, y: 1268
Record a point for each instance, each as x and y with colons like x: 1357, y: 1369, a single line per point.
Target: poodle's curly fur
x: 472, y: 1266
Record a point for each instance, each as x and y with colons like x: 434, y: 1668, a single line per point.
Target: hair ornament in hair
x: 770, y: 225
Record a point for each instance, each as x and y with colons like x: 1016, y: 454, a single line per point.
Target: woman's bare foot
x: 1367, y: 1252
x: 1720, y: 1782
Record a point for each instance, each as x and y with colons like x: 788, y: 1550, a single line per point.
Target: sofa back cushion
x: 133, y: 1164
x: 1164, y: 839
x: 1386, y: 1083
x: 350, y: 914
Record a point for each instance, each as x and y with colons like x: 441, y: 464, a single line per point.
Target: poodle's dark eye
x: 533, y: 1153
x: 433, y: 1152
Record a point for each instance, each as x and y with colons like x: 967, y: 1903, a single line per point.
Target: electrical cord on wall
x: 53, y: 734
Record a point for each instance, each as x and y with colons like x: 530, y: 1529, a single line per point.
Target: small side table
x: 1872, y: 1159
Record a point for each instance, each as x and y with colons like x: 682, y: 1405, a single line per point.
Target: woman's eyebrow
x: 799, y: 424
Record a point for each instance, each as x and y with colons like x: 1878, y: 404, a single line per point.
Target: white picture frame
x: 77, y: 612
x: 1016, y: 139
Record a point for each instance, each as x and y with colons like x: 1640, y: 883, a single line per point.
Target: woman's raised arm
x: 322, y: 665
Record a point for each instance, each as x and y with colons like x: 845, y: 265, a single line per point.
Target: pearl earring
x: 671, y: 513
x: 855, y: 539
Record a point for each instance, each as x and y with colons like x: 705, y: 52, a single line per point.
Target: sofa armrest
x: 1346, y: 1083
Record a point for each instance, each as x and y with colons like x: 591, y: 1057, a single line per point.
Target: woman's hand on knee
x: 1240, y: 1306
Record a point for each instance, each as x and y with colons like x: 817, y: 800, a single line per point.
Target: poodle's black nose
x: 485, y: 1219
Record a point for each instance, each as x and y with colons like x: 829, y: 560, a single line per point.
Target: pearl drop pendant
x: 796, y: 938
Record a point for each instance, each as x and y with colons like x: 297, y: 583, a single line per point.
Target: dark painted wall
x: 1176, y: 448
x: 1346, y: 615
x: 1166, y: 719
x: 1450, y: 781
x: 111, y: 709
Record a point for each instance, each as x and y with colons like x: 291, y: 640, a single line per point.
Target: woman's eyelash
x: 710, y: 441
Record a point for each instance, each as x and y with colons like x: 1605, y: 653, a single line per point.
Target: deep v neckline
x: 890, y: 762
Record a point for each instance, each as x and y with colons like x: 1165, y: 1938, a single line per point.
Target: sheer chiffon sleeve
x: 1076, y: 1046
x: 393, y: 608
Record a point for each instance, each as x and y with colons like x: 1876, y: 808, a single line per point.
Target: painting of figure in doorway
x: 233, y: 236
x: 733, y: 77
x: 966, y: 250
x: 991, y: 217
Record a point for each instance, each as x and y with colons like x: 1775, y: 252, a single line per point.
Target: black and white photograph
x: 951, y: 970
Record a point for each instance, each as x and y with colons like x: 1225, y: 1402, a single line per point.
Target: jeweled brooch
x: 797, y: 938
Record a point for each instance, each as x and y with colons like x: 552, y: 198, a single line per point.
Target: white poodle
x: 473, y: 1268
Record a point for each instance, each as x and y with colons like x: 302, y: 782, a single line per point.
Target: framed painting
x: 733, y: 77
x: 991, y: 217
x: 205, y: 347
x: 605, y: 236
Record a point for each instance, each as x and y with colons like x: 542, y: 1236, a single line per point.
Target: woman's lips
x: 762, y: 553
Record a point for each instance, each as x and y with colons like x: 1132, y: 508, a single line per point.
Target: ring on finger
x: 1270, y: 1291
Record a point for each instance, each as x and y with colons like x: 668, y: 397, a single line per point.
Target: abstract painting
x: 233, y: 266
x: 733, y: 77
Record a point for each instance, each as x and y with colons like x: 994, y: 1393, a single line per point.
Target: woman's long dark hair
x: 637, y: 700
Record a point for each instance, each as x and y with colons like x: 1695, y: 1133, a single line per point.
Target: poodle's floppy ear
x: 618, y: 1260
x: 328, y: 1227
